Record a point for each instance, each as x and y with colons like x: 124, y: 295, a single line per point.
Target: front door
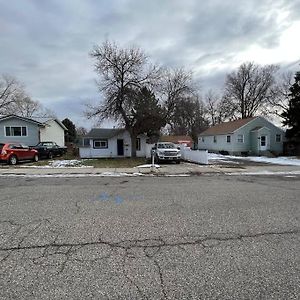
x: 263, y: 142
x: 120, y: 147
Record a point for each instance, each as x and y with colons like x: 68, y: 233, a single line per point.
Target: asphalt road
x: 205, y: 237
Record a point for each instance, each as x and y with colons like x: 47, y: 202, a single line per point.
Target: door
x: 263, y: 142
x: 120, y: 147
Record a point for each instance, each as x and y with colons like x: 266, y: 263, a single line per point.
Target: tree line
x: 144, y: 98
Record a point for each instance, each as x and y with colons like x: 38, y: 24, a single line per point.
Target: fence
x: 197, y: 156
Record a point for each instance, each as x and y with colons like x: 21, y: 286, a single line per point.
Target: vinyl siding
x: 53, y: 132
x: 32, y: 137
x: 111, y: 150
x: 250, y: 139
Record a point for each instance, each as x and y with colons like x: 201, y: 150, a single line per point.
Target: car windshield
x: 1, y: 146
x: 166, y: 146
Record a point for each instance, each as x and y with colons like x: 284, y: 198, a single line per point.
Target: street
x: 198, y: 237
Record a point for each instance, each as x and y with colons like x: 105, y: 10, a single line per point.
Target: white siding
x: 111, y: 151
x: 53, y: 132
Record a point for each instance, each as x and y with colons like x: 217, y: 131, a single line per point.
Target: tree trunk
x: 133, y: 137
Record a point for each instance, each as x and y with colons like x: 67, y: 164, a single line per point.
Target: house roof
x: 46, y: 120
x: 227, y: 127
x: 176, y: 139
x: 105, y: 133
x: 2, y: 118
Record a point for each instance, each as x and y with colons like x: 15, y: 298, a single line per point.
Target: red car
x: 14, y: 152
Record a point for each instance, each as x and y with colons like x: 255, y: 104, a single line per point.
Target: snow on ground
x: 286, y: 173
x: 73, y: 163
x: 148, y: 166
x: 286, y: 161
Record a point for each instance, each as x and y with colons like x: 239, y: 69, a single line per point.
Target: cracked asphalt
x: 200, y: 237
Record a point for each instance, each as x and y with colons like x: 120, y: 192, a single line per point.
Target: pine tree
x: 70, y: 135
x: 292, y: 115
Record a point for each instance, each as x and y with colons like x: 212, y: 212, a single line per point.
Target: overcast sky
x: 46, y: 44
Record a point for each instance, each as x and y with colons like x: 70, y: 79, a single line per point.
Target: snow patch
x: 286, y: 161
x: 148, y: 166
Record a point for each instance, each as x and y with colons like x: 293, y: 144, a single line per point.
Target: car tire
x: 178, y: 162
x: 50, y: 155
x: 35, y: 158
x: 13, y: 160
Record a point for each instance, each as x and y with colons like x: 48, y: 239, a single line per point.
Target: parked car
x: 163, y: 151
x: 12, y: 153
x: 49, y: 149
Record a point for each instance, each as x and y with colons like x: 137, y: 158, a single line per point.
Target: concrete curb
x: 188, y: 170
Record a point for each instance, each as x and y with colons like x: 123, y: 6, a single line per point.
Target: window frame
x: 138, y: 144
x: 100, y: 141
x: 280, y: 138
x: 22, y: 129
x: 228, y: 141
x: 240, y: 141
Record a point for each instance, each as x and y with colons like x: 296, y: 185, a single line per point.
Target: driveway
x: 201, y: 237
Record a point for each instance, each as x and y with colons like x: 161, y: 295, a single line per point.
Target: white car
x: 163, y: 151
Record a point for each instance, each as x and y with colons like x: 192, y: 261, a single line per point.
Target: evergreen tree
x: 292, y: 114
x: 70, y: 135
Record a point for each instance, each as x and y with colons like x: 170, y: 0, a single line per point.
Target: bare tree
x: 189, y: 118
x: 248, y: 89
x: 278, y: 103
x: 212, y: 101
x: 175, y: 85
x: 122, y: 71
x: 11, y: 91
x: 26, y: 107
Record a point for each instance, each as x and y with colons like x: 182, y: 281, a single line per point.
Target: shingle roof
x: 227, y: 127
x: 31, y: 120
x: 45, y: 120
x: 176, y: 138
x: 105, y: 133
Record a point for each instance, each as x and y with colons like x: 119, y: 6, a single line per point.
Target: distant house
x: 177, y: 139
x: 104, y: 142
x: 30, y: 131
x: 253, y: 135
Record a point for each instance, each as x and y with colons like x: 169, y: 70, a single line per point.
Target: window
x: 228, y: 139
x: 240, y: 138
x: 100, y: 144
x: 138, y: 144
x: 215, y: 139
x: 15, y: 131
x: 203, y: 140
x: 278, y: 138
x: 86, y: 142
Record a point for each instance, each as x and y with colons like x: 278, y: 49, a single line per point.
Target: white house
x: 254, y: 135
x: 53, y: 131
x: 104, y: 142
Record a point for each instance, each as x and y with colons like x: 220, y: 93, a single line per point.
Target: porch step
x: 267, y: 153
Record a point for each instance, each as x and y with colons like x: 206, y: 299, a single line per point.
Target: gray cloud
x: 46, y: 43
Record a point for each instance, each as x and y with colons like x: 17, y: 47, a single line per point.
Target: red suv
x: 14, y: 152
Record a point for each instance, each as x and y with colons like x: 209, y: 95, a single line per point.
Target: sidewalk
x: 184, y: 169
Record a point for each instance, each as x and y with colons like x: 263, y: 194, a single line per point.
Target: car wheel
x: 178, y: 162
x: 36, y: 158
x: 13, y: 160
x: 50, y: 155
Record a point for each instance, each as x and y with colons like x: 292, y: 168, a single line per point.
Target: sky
x: 46, y: 44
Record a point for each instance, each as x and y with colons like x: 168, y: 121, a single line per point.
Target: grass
x: 114, y: 162
x: 96, y: 163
